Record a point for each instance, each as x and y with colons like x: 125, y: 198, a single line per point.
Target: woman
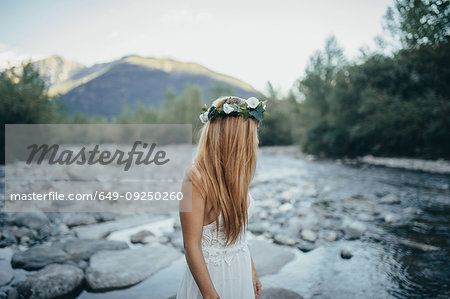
x: 219, y: 264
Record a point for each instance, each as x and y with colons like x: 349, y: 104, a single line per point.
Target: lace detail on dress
x: 213, y: 245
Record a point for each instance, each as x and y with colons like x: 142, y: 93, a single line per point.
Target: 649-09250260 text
x: 98, y: 195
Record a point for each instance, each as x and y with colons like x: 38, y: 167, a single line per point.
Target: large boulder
x: 52, y: 281
x: 83, y: 249
x: 122, y: 268
x: 38, y: 257
x: 279, y: 293
x: 33, y: 220
x: 268, y: 257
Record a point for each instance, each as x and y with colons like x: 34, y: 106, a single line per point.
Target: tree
x: 419, y: 22
x: 24, y: 100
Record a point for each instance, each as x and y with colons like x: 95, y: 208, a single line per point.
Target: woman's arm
x: 192, y: 227
x: 256, y: 283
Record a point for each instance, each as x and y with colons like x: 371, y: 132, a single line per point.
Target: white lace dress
x: 230, y: 268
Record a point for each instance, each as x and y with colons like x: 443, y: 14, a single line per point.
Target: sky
x: 255, y: 41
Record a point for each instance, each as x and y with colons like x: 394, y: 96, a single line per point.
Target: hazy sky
x: 255, y: 41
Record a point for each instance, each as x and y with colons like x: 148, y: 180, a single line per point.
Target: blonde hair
x: 225, y: 164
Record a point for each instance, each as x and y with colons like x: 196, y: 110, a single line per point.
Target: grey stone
x: 284, y: 240
x: 102, y: 230
x: 38, y: 257
x: 353, y: 229
x: 258, y: 227
x: 6, y: 272
x: 346, y: 254
x: 122, y: 268
x: 279, y: 293
x: 85, y: 248
x: 309, y: 235
x: 20, y: 232
x: 76, y: 219
x: 52, y: 281
x: 390, y: 199
x: 328, y: 235
x: 268, y: 257
x: 391, y: 218
x: 143, y: 237
x: 305, y: 246
x: 105, y: 216
x: 419, y: 246
x: 34, y: 220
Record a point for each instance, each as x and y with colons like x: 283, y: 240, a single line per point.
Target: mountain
x: 57, y: 69
x: 103, y: 88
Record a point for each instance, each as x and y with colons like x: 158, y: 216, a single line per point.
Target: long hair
x: 225, y: 164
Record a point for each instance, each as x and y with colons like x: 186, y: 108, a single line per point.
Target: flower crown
x: 252, y: 107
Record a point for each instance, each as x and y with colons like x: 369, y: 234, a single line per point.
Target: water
x: 382, y: 265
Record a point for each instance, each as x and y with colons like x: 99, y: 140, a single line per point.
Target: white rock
x: 309, y: 235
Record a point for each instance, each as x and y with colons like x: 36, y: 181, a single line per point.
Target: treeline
x: 387, y: 105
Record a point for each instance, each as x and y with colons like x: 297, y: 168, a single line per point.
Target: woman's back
x: 227, y: 265
x: 213, y: 242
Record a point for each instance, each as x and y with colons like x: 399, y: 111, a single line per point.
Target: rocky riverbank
x: 436, y: 166
x: 320, y: 228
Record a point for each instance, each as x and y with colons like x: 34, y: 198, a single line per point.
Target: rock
x: 63, y: 229
x: 310, y: 221
x: 328, y: 235
x: 122, y: 268
x: 390, y: 199
x: 7, y: 241
x: 33, y: 220
x: 20, y: 232
x: 258, y: 227
x: 279, y: 293
x: 391, y: 218
x: 102, y: 230
x: 80, y: 218
x: 419, y: 246
x: 8, y: 292
x: 177, y: 242
x: 284, y: 240
x: 268, y: 257
x: 52, y: 281
x: 105, y: 216
x: 286, y: 207
x: 25, y: 240
x: 305, y: 246
x: 163, y: 240
x: 346, y: 254
x: 293, y: 227
x: 6, y: 272
x: 83, y: 249
x: 353, y: 229
x: 308, y: 235
x: 38, y: 257
x: 143, y: 237
x: 365, y: 217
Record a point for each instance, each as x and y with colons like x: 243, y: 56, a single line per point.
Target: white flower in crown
x: 204, y: 117
x: 264, y: 105
x: 252, y: 102
x: 228, y: 108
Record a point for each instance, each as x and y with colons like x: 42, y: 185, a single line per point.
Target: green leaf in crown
x: 252, y: 107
